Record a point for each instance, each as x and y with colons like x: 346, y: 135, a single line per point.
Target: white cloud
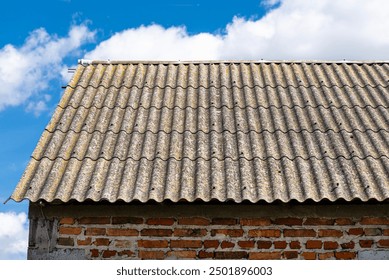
x: 13, y: 235
x: 292, y: 29
x: 25, y: 72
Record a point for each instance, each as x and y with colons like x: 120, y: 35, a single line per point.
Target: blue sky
x: 40, y: 40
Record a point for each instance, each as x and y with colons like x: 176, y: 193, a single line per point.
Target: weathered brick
x: 185, y: 244
x: 348, y: 245
x: 198, y: 221
x: 206, y: 255
x: 264, y: 233
x: 344, y: 222
x: 299, y: 233
x: 182, y: 254
x: 255, y: 222
x: 246, y: 244
x: 224, y: 221
x: 211, y: 243
x: 294, y: 245
x: 94, y: 253
x: 330, y: 233
x: 126, y: 220
x: 84, y: 242
x: 94, y: 220
x: 194, y: 232
x: 374, y: 221
x: 70, y: 230
x: 156, y: 232
x: 127, y: 253
x: 290, y: 254
x: 65, y: 241
x: 153, y: 243
x: 109, y: 253
x: 264, y: 244
x: 288, y: 221
x: 326, y: 256
x: 314, y: 244
x: 366, y: 243
x: 264, y: 255
x: 151, y: 255
x: 124, y: 243
x: 309, y: 255
x: 386, y: 232
x: 66, y: 221
x: 95, y: 231
x: 355, y: 231
x: 372, y: 231
x: 122, y: 232
x: 330, y: 245
x: 342, y: 255
x: 227, y: 232
x: 318, y: 221
x: 227, y: 244
x: 101, y: 242
x: 279, y: 244
x: 160, y: 221
x: 234, y: 255
x: 383, y: 243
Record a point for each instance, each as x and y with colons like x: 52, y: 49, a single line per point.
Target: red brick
x: 124, y: 243
x: 330, y: 245
x: 344, y: 222
x: 94, y: 253
x: 383, y: 243
x: 279, y: 244
x: 290, y: 254
x: 101, y: 242
x: 232, y: 255
x: 66, y: 221
x: 326, y: 256
x: 95, y: 231
x: 156, y: 232
x: 65, y: 241
x: 224, y: 221
x: 372, y: 231
x: 264, y: 255
x: 355, y: 231
x: 264, y: 233
x: 206, y: 255
x: 182, y: 254
x: 330, y: 233
x: 185, y: 244
x: 374, y: 221
x: 127, y: 253
x: 227, y: 232
x: 313, y: 244
x: 227, y: 244
x: 294, y: 245
x: 264, y: 244
x: 94, y: 220
x: 366, y: 243
x: 348, y: 245
x: 84, y: 242
x: 299, y: 233
x: 318, y: 221
x: 211, y: 243
x: 198, y: 221
x: 345, y: 255
x: 309, y: 255
x: 109, y: 253
x: 126, y: 220
x: 122, y: 232
x: 70, y: 230
x: 151, y: 255
x: 160, y: 221
x: 289, y: 221
x: 153, y: 243
x: 255, y: 222
x: 246, y: 244
x: 386, y: 232
x: 194, y: 232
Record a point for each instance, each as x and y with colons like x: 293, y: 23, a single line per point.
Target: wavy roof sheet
x: 216, y: 130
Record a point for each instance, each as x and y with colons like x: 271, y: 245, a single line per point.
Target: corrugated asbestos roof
x: 216, y: 130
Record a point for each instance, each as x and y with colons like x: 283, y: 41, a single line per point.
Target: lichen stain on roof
x: 216, y: 130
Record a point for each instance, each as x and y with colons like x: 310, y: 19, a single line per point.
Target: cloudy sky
x: 40, y: 40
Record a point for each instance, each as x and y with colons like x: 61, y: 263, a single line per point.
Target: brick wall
x: 227, y: 237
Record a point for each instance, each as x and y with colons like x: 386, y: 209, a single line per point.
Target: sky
x: 40, y: 40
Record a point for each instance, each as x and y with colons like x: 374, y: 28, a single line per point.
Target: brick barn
x: 214, y: 160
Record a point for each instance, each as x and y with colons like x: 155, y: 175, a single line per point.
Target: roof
x: 236, y: 130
